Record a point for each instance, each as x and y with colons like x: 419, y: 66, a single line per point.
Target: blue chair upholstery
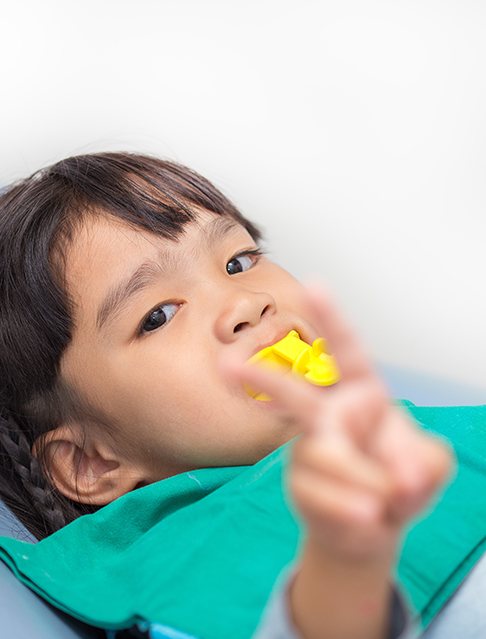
x: 24, y: 615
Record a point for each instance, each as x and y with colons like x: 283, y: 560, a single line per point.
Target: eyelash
x: 256, y: 253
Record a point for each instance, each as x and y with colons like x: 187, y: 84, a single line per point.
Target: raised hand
x: 362, y: 467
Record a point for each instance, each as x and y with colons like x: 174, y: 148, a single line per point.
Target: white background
x: 353, y: 132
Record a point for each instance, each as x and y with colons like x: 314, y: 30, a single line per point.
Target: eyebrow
x: 149, y: 271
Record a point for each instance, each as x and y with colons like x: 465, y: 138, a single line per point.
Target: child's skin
x: 161, y: 405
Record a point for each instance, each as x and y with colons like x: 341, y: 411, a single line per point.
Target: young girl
x: 132, y: 294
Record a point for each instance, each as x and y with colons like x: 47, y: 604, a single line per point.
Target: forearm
x: 335, y: 599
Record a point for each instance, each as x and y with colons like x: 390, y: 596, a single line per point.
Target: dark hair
x: 38, y: 219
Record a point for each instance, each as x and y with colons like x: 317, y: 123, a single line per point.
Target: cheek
x: 177, y: 386
x: 287, y: 289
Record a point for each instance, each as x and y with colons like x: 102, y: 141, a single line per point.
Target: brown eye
x: 158, y: 317
x: 243, y: 262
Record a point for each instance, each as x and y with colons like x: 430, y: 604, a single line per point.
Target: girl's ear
x: 86, y: 471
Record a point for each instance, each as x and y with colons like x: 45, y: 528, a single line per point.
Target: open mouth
x: 278, y: 355
x: 291, y: 354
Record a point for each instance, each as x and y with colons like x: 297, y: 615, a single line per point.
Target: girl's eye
x: 158, y: 317
x: 243, y: 262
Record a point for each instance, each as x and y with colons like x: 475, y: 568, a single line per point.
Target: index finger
x: 344, y: 345
x: 288, y: 391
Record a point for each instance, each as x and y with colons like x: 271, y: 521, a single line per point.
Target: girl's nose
x: 242, y: 311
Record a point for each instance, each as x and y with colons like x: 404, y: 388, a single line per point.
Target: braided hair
x: 39, y: 217
x: 26, y: 468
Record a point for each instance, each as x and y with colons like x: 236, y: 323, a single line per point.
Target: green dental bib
x: 201, y: 551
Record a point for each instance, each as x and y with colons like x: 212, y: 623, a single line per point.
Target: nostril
x: 265, y: 310
x: 239, y: 326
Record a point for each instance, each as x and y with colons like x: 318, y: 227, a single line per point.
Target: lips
x: 264, y: 351
x: 292, y: 354
x: 268, y: 342
x: 280, y: 334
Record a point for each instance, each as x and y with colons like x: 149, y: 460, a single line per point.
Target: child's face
x: 162, y: 392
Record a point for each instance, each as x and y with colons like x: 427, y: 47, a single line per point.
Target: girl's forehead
x: 104, y: 232
x: 105, y: 244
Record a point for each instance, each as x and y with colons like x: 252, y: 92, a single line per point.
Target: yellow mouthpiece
x: 296, y: 356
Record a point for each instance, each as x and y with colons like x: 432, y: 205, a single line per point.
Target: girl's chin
x: 284, y: 422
